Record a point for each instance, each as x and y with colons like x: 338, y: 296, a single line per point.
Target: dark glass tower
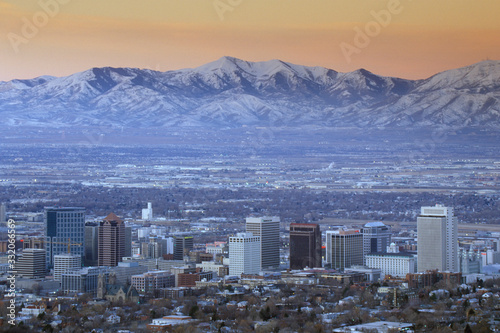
x: 305, y: 246
x: 182, y: 245
x: 64, y: 231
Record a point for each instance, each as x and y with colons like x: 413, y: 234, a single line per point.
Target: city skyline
x: 406, y: 39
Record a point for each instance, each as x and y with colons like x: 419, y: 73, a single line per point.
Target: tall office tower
x: 437, y: 239
x: 64, y: 230
x: 305, y: 245
x: 91, y: 244
x: 153, y: 248
x: 3, y: 213
x: 63, y: 262
x: 268, y: 229
x: 128, y: 242
x: 344, y: 248
x: 147, y: 213
x: 111, y: 241
x: 168, y: 245
x: 376, y: 237
x: 244, y: 254
x: 31, y: 264
x: 182, y: 246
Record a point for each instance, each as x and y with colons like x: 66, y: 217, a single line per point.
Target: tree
x: 193, y: 311
x: 265, y: 313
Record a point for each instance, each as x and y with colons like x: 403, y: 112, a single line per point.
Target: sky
x: 411, y: 39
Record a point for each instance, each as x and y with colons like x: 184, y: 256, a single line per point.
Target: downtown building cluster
x: 77, y: 254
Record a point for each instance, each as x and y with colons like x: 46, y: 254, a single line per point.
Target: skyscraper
x: 154, y: 248
x: 376, y: 237
x: 344, y: 248
x: 91, y: 244
x: 437, y: 239
x: 268, y: 229
x: 64, y: 230
x: 128, y: 242
x: 182, y: 246
x: 305, y: 245
x: 31, y: 264
x: 111, y: 241
x: 244, y: 254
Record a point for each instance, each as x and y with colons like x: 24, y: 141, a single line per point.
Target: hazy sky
x: 410, y: 39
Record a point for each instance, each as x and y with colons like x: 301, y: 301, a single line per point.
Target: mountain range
x: 230, y: 93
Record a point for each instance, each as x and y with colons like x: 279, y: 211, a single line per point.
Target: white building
x: 244, y: 254
x: 166, y: 323
x: 215, y: 248
x: 143, y: 232
x: 211, y: 266
x: 32, y: 311
x: 63, y: 262
x: 113, y: 319
x: 437, y: 239
x: 395, y: 264
x: 268, y: 229
x: 378, y: 326
x: 147, y: 213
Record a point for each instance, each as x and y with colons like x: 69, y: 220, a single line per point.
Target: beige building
x: 344, y: 248
x: 437, y: 239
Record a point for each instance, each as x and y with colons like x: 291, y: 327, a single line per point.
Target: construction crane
x: 68, y: 243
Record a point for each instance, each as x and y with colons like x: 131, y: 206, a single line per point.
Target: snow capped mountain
x: 231, y: 92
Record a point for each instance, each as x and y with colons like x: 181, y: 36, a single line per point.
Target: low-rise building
x: 378, y: 326
x: 211, y: 266
x: 83, y: 280
x: 371, y: 274
x: 429, y: 278
x: 395, y: 264
x: 166, y: 323
x: 190, y: 279
x: 151, y: 281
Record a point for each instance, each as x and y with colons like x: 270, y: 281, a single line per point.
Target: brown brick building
x: 111, y: 241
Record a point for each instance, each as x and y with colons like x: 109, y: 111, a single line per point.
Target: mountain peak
x: 480, y: 77
x: 225, y: 63
x: 263, y: 69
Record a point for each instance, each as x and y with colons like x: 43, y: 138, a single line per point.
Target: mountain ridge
x: 230, y: 93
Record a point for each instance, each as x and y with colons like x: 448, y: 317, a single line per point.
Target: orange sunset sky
x: 418, y: 39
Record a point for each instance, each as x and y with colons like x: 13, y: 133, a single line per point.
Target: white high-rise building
x: 268, y: 229
x: 437, y: 239
x: 147, y: 213
x: 244, y: 254
x: 63, y: 262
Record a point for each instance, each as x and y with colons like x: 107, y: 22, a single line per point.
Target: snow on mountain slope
x: 230, y: 92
